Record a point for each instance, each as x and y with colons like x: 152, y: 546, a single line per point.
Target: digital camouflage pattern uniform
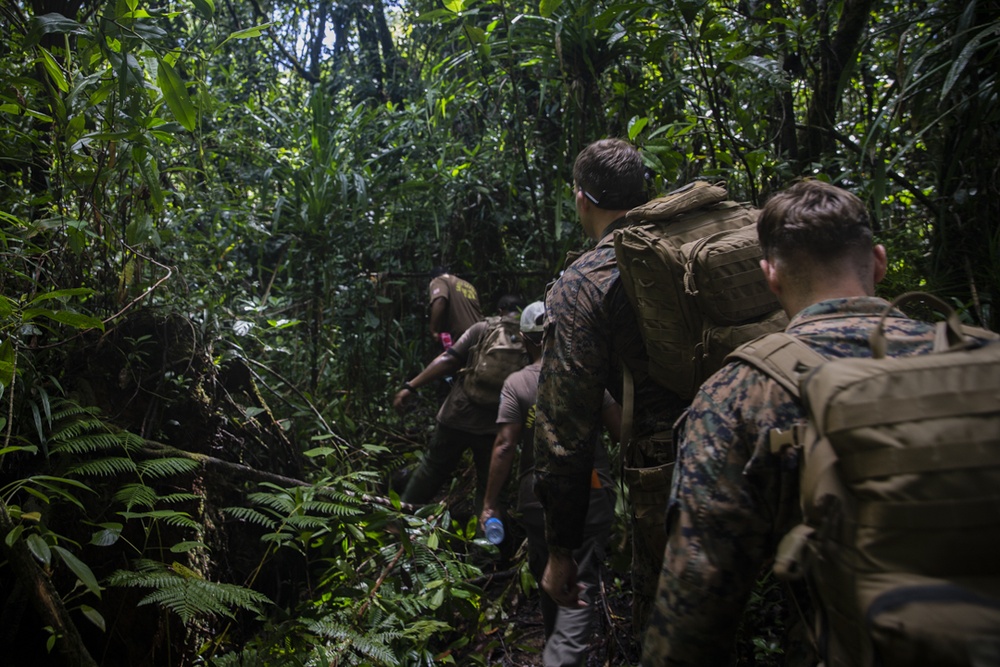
x: 732, y: 500
x: 590, y: 331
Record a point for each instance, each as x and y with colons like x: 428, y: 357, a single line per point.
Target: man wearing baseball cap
x: 567, y: 631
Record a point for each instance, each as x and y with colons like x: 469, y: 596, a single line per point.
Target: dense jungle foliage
x: 218, y: 219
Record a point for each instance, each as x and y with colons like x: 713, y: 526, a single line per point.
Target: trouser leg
x: 569, y: 642
x: 440, y: 460
x: 649, y: 489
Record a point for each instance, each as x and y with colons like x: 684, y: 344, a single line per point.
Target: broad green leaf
x: 13, y: 535
x: 80, y: 569
x: 475, y: 34
x: 635, y: 126
x: 548, y: 7
x: 39, y: 548
x: 205, y: 7
x: 319, y: 451
x: 12, y: 219
x: 93, y: 616
x: 52, y: 23
x: 248, y: 33
x: 184, y: 547
x: 6, y: 363
x: 54, y: 70
x: 175, y: 94
x: 454, y: 6
x: 75, y: 320
x: 61, y: 293
x: 132, y: 4
x: 108, y: 535
x: 964, y: 57
x: 18, y: 448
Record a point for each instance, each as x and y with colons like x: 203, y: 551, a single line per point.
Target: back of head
x: 510, y: 303
x: 533, y: 321
x: 814, y: 222
x: 611, y: 174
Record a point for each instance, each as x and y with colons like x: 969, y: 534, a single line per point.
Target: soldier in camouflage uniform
x: 732, y: 499
x: 590, y: 333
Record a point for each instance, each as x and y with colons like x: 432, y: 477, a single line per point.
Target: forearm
x: 438, y: 317
x: 501, y: 462
x: 441, y: 366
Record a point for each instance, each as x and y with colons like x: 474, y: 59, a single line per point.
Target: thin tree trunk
x: 45, y: 599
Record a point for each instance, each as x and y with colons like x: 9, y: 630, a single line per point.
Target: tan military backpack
x: 900, y: 496
x: 690, y: 265
x: 499, y: 352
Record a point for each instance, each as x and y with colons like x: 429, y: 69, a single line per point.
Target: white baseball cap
x: 532, y: 317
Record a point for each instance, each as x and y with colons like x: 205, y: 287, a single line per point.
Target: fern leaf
x: 251, y: 515
x: 165, y: 467
x: 105, y: 467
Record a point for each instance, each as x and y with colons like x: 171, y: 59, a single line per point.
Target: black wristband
x: 409, y: 387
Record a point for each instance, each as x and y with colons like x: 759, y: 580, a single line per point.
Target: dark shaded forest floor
x: 520, y: 637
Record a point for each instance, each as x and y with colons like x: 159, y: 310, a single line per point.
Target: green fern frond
x: 170, y: 517
x: 281, y: 503
x: 251, y: 515
x: 136, y: 495
x: 106, y: 467
x: 188, y: 596
x: 165, y: 467
x: 306, y: 522
x: 374, y: 646
x: 141, y: 495
x: 87, y: 444
x: 178, y: 497
x: 333, y: 508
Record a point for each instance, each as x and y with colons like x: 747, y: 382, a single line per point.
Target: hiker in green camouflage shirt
x: 732, y: 499
x: 590, y: 332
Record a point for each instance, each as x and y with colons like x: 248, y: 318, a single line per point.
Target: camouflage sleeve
x: 724, y: 517
x: 575, y: 363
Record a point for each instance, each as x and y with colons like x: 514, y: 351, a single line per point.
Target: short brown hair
x: 612, y: 173
x: 821, y: 220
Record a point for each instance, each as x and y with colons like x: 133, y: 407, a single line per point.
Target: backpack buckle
x: 788, y: 437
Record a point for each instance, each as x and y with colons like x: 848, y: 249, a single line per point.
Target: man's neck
x: 604, y: 219
x: 795, y: 303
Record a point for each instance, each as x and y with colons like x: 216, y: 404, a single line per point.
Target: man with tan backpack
x: 865, y: 442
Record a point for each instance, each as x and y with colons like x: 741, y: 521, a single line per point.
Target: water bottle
x: 494, y: 530
x: 445, y: 339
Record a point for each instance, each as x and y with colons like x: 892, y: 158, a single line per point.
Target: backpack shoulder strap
x: 782, y: 357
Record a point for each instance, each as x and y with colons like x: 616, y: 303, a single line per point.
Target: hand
x: 487, y: 514
x: 400, y: 399
x: 559, y: 581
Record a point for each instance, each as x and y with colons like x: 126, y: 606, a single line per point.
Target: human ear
x: 771, y: 276
x: 880, y: 264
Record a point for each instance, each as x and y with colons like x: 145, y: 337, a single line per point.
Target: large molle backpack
x: 690, y: 265
x: 900, y: 494
x: 499, y: 352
